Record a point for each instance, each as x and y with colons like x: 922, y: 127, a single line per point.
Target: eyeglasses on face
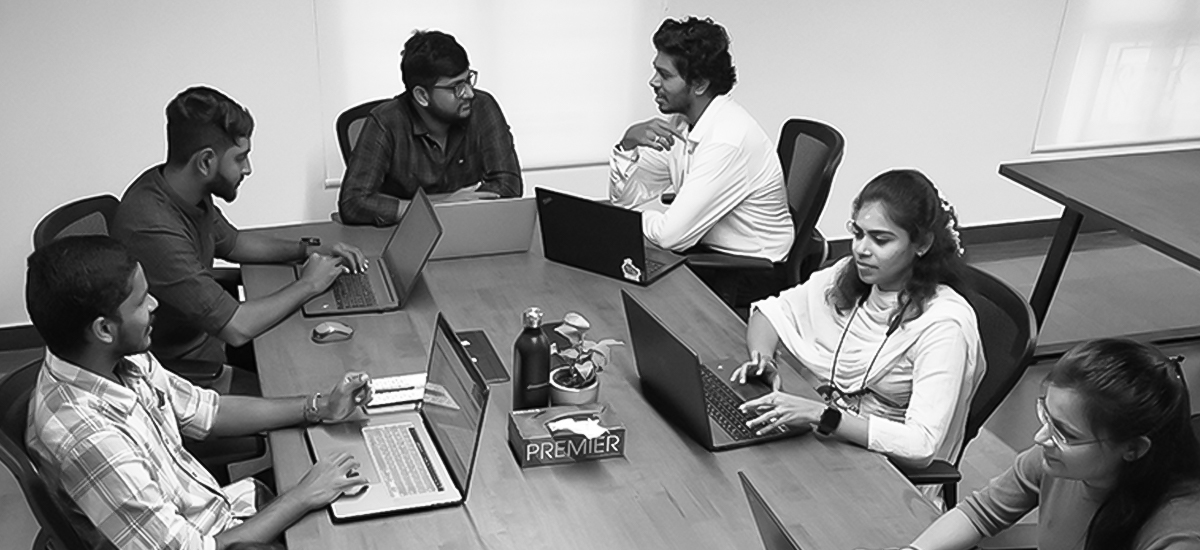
x: 1060, y: 439
x: 460, y: 88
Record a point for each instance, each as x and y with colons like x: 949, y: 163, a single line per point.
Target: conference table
x: 1152, y: 197
x: 666, y: 492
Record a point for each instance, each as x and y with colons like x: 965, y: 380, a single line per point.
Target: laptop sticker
x: 631, y: 271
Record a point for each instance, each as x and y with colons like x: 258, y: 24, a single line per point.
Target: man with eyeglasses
x: 442, y: 134
x: 711, y: 155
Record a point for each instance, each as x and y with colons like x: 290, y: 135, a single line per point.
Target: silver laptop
x: 774, y: 535
x: 479, y: 228
x: 415, y: 459
x: 390, y: 278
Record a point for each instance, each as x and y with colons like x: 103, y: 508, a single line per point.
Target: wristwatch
x: 829, y: 421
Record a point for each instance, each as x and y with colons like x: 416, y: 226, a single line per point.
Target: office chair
x: 227, y: 458
x: 809, y: 152
x: 55, y: 529
x: 1009, y: 333
x: 349, y: 125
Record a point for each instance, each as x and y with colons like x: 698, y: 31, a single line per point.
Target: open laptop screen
x: 455, y: 402
x: 420, y: 231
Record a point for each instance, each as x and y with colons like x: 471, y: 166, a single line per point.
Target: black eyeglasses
x: 460, y: 88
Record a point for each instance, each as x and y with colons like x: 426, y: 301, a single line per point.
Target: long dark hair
x: 1131, y: 390
x: 913, y: 204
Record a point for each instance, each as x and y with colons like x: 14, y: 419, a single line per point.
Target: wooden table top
x: 1154, y: 197
x: 667, y: 492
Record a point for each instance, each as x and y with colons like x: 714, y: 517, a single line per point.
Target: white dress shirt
x: 728, y: 183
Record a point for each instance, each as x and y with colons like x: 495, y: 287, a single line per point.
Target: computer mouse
x: 331, y: 331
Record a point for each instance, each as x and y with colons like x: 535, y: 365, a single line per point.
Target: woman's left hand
x: 777, y: 409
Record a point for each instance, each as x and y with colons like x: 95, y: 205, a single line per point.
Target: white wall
x: 951, y: 87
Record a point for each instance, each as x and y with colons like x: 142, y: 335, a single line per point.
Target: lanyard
x: 831, y: 391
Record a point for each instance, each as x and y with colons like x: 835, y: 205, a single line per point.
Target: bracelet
x: 311, y: 410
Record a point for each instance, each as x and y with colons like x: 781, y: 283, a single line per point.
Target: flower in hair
x: 951, y: 224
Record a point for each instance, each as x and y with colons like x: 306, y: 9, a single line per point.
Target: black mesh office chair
x: 55, y: 529
x: 809, y: 152
x: 1009, y: 334
x: 349, y: 125
x: 227, y: 458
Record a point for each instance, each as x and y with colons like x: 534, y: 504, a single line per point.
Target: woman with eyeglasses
x: 1115, y: 465
x: 896, y: 347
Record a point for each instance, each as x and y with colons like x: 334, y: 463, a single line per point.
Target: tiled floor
x: 1107, y: 274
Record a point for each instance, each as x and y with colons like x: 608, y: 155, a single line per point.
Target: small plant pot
x: 563, y: 395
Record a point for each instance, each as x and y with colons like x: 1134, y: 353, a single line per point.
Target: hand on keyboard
x: 327, y: 480
x: 777, y: 409
x: 759, y: 366
x: 321, y: 271
x: 351, y: 257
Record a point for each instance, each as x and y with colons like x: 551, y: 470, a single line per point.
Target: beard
x: 224, y: 188
x: 448, y: 116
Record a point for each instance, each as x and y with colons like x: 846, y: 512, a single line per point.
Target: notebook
x: 774, y: 535
x: 414, y: 459
x: 600, y: 238
x: 479, y: 228
x: 390, y: 278
x: 697, y: 397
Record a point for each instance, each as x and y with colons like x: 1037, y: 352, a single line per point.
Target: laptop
x: 389, y: 281
x: 414, y: 459
x: 774, y: 535
x: 480, y: 228
x: 600, y: 238
x: 697, y: 397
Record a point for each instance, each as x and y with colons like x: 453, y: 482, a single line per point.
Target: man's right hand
x: 656, y: 133
x: 321, y: 271
x: 328, y: 479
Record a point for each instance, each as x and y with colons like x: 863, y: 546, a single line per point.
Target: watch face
x: 829, y: 421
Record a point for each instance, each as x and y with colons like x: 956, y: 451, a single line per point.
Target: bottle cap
x: 532, y: 318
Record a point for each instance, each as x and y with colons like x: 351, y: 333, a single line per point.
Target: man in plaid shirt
x: 442, y: 134
x: 106, y: 420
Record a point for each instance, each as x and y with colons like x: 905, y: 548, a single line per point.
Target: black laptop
x: 699, y: 398
x: 600, y: 238
x: 774, y: 535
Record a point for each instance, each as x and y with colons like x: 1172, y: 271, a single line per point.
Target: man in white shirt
x: 708, y: 151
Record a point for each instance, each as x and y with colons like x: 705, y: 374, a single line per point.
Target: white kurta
x: 925, y: 375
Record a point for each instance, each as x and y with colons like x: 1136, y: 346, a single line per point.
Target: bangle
x: 311, y: 410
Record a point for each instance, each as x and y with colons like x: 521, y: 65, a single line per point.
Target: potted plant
x: 573, y: 369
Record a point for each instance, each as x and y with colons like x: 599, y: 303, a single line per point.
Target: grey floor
x: 1112, y: 286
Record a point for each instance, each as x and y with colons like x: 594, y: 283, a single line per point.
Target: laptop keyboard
x: 353, y: 290
x: 654, y: 266
x: 723, y: 405
x: 401, y: 460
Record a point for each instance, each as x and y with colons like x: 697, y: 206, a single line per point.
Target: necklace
x: 831, y: 392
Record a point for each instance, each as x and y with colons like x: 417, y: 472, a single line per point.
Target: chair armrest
x: 717, y: 260
x: 195, y: 370
x: 1022, y: 536
x: 938, y: 472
